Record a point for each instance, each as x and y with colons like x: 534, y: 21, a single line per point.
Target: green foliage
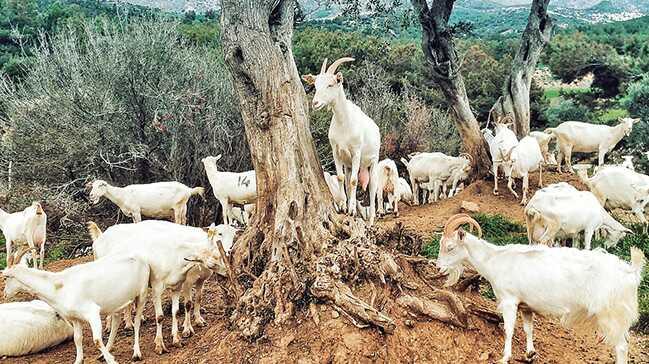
x: 566, y: 110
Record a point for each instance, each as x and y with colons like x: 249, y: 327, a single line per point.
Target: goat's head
x: 12, y: 285
x: 627, y: 124
x: 35, y: 209
x: 503, y: 123
x: 223, y: 233
x: 328, y: 84
x: 210, y: 160
x: 615, y: 235
x: 507, y: 160
x: 452, y: 249
x: 99, y: 188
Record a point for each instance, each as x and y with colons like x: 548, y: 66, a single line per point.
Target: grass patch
x: 499, y: 230
x: 610, y: 116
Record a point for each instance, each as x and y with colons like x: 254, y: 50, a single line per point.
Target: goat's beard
x: 453, y: 275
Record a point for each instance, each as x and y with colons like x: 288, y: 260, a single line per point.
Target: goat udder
x: 364, y: 177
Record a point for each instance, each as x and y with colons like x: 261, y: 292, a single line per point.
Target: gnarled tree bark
x: 515, y: 100
x: 445, y: 66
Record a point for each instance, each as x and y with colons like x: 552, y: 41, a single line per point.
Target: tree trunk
x: 515, y: 100
x: 445, y: 66
x: 285, y: 253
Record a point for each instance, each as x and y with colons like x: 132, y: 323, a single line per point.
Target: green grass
x: 610, y: 116
x: 501, y: 231
x: 551, y: 93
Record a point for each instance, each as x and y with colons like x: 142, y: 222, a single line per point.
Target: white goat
x: 230, y: 187
x: 387, y: 180
x: 171, y: 251
x: 544, y: 140
x: 242, y: 214
x: 628, y: 162
x: 157, y: 200
x: 402, y: 192
x: 83, y: 292
x: 502, y: 142
x: 619, y: 187
x: 337, y: 192
x: 569, y: 211
x: 583, y: 288
x: 354, y: 137
x: 522, y: 159
x: 27, y: 227
x: 30, y: 327
x: 435, y: 168
x: 574, y: 136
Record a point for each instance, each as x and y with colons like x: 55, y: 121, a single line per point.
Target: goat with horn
x: 582, y: 287
x: 354, y: 137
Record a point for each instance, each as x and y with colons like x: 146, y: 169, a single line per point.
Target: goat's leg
x: 373, y: 186
x: 225, y: 211
x: 528, y: 327
x: 177, y: 215
x: 200, y: 286
x: 9, y: 250
x: 341, y: 175
x: 353, y: 183
x: 588, y: 237
x: 530, y: 228
x: 526, y: 185
x: 157, y: 306
x: 510, y: 186
x: 94, y: 320
x: 141, y: 301
x: 621, y: 351
x: 601, y: 155
x: 175, y: 304
x: 128, y: 321
x: 436, y: 187
x: 495, y: 169
x: 187, y: 294
x: 568, y: 157
x: 379, y: 201
x: 508, y: 309
x: 114, y: 326
x: 78, y: 341
x: 42, y: 255
x: 541, y: 175
x: 415, y: 191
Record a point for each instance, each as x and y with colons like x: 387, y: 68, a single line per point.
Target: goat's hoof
x: 160, y: 349
x: 496, y: 193
x: 201, y: 322
x: 504, y: 361
x: 531, y: 356
x: 136, y: 357
x: 187, y: 333
x: 177, y: 343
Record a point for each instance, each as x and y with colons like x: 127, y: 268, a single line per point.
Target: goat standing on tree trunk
x: 355, y: 138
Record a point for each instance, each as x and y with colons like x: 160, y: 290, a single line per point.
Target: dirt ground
x: 334, y: 340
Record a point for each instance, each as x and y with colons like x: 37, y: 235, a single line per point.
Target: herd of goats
x: 587, y: 286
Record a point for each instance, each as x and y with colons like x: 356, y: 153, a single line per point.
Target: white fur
x: 30, y: 327
x: 161, y: 200
x: 560, y: 209
x: 230, y: 187
x: 574, y: 136
x: 503, y: 141
x: 628, y: 162
x: 387, y: 180
x: 83, y: 292
x: 435, y: 169
x: 619, y: 187
x: 337, y: 191
x: 164, y: 246
x: 522, y: 159
x: 582, y: 287
x: 354, y: 137
x: 242, y: 214
x: 25, y: 227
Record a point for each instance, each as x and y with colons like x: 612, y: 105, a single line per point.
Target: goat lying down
x: 582, y: 287
x: 30, y: 327
x: 81, y: 293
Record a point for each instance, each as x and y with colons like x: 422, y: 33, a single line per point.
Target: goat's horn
x: 468, y: 156
x: 19, y: 255
x: 334, y: 66
x: 450, y: 220
x: 460, y: 220
x: 323, y: 69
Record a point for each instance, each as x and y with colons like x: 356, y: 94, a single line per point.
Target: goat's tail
x: 638, y: 261
x: 198, y: 191
x: 405, y: 162
x: 93, y: 230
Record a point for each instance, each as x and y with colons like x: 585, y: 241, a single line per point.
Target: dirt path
x: 334, y: 340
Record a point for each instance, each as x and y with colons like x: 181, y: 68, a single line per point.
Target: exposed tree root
x: 432, y: 309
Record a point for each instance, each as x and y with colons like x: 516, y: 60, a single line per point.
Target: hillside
x: 332, y: 338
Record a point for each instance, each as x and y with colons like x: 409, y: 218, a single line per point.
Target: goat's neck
x: 480, y: 254
x: 115, y: 194
x: 40, y: 283
x: 340, y: 109
x: 3, y: 217
x: 618, y: 132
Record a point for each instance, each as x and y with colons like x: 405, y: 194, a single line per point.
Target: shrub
x: 566, y: 110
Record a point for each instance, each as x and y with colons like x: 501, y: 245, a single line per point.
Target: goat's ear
x: 339, y: 77
x: 461, y: 234
x: 206, y: 229
x: 635, y: 121
x: 309, y: 79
